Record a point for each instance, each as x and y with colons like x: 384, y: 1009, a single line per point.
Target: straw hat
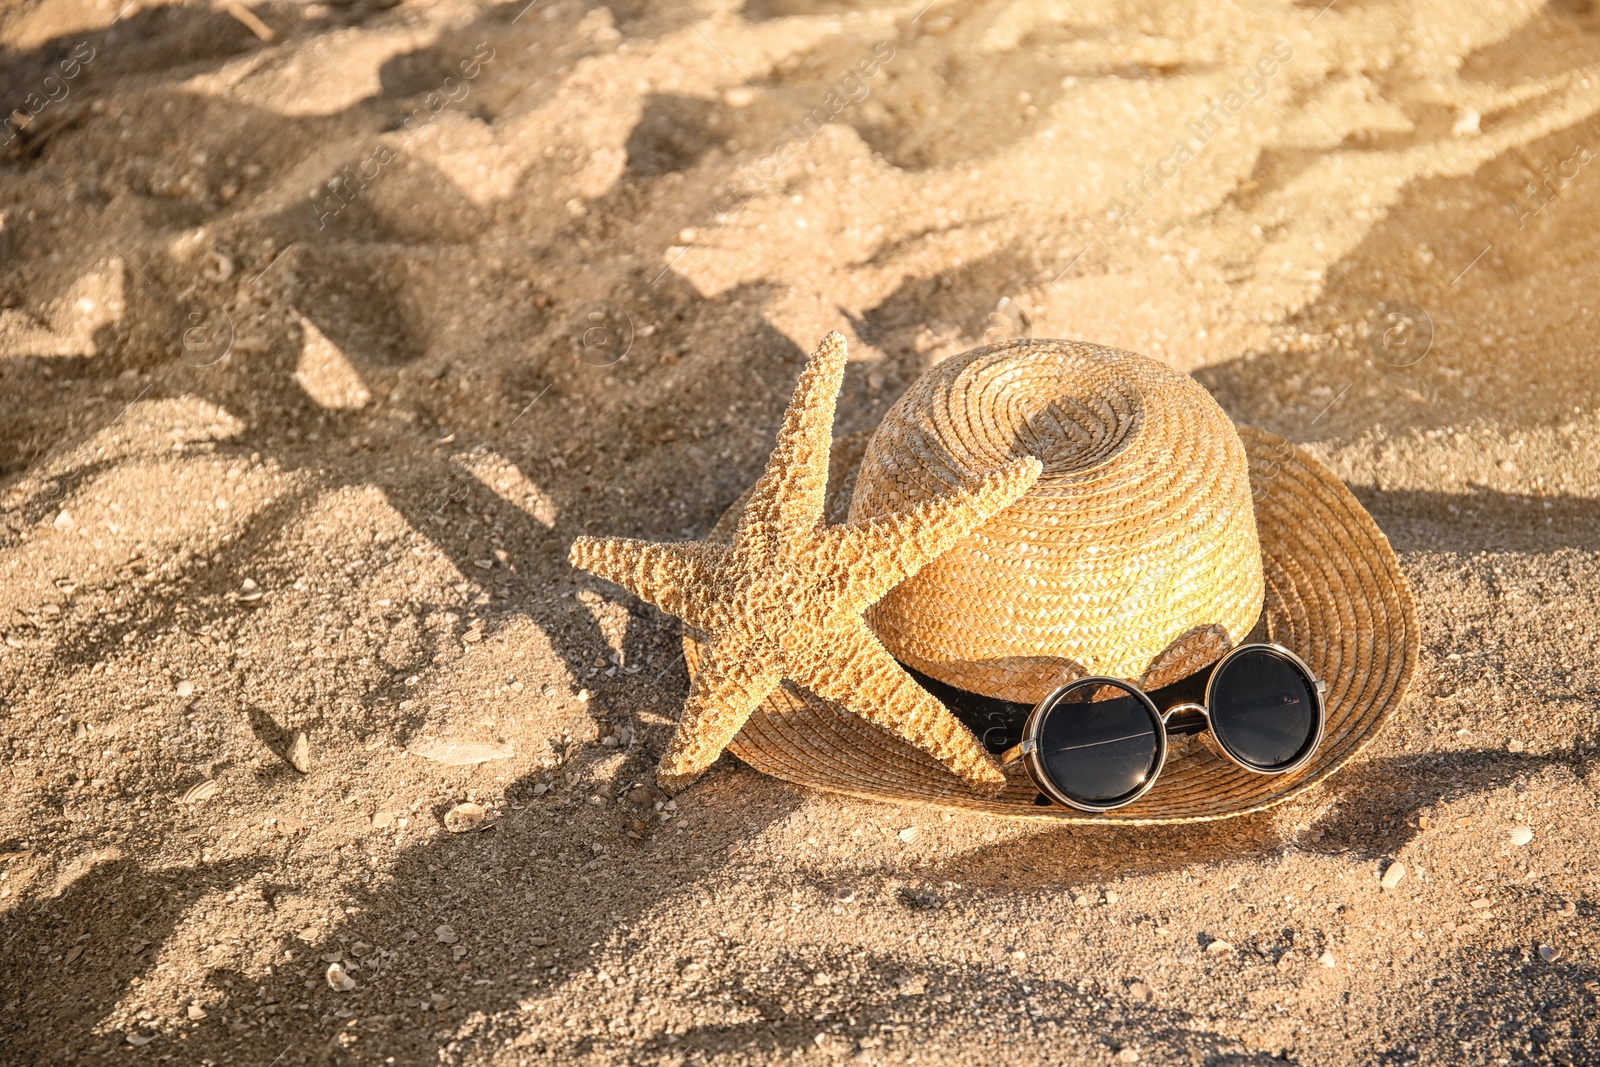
x: 1158, y: 536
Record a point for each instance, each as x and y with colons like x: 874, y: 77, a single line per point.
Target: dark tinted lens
x: 1098, y: 743
x: 1263, y: 709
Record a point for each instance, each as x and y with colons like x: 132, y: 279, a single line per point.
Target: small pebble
x: 1111, y: 896
x: 583, y: 696
x: 1326, y: 959
x: 465, y: 817
x: 1219, y: 945
x: 1141, y: 992
x: 217, y: 267
x: 196, y: 1012
x: 738, y: 96
x: 1481, y: 903
x: 300, y: 752
x: 447, y: 934
x: 1392, y: 874
x: 1520, y: 835
x: 184, y: 688
x: 383, y: 819
x: 1548, y: 954
x: 339, y: 980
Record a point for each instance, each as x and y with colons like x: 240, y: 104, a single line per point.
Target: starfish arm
x: 787, y: 501
x: 872, y: 557
x: 855, y: 670
x: 665, y: 575
x: 726, y: 689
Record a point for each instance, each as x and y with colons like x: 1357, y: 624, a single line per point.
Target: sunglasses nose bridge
x: 1181, y: 720
x: 1184, y: 711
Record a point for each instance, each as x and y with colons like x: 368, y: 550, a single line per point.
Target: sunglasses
x: 1097, y: 744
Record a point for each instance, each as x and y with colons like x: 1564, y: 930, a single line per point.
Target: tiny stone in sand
x: 465, y: 817
x: 339, y: 980
x: 1393, y: 873
x: 300, y: 752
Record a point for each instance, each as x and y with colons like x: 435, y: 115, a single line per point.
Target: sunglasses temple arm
x: 1017, y: 752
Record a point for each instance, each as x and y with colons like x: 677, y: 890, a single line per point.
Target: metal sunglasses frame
x: 1027, y: 749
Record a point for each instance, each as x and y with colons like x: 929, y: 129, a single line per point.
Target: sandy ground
x: 281, y: 457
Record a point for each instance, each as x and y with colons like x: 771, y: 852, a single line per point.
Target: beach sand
x: 280, y: 458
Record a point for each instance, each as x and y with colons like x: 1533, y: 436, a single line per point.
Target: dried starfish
x: 784, y: 599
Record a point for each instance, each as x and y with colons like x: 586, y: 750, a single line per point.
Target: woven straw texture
x: 1135, y: 554
x: 1334, y: 594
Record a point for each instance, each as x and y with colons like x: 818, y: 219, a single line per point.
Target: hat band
x: 999, y: 723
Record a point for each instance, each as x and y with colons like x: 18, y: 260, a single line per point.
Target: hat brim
x: 1335, y: 596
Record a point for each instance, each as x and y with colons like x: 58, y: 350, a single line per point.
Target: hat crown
x: 1134, y: 556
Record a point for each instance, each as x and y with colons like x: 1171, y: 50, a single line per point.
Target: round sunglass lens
x: 1099, y: 743
x: 1263, y: 710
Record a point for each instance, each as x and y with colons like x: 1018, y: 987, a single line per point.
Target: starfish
x: 783, y: 600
